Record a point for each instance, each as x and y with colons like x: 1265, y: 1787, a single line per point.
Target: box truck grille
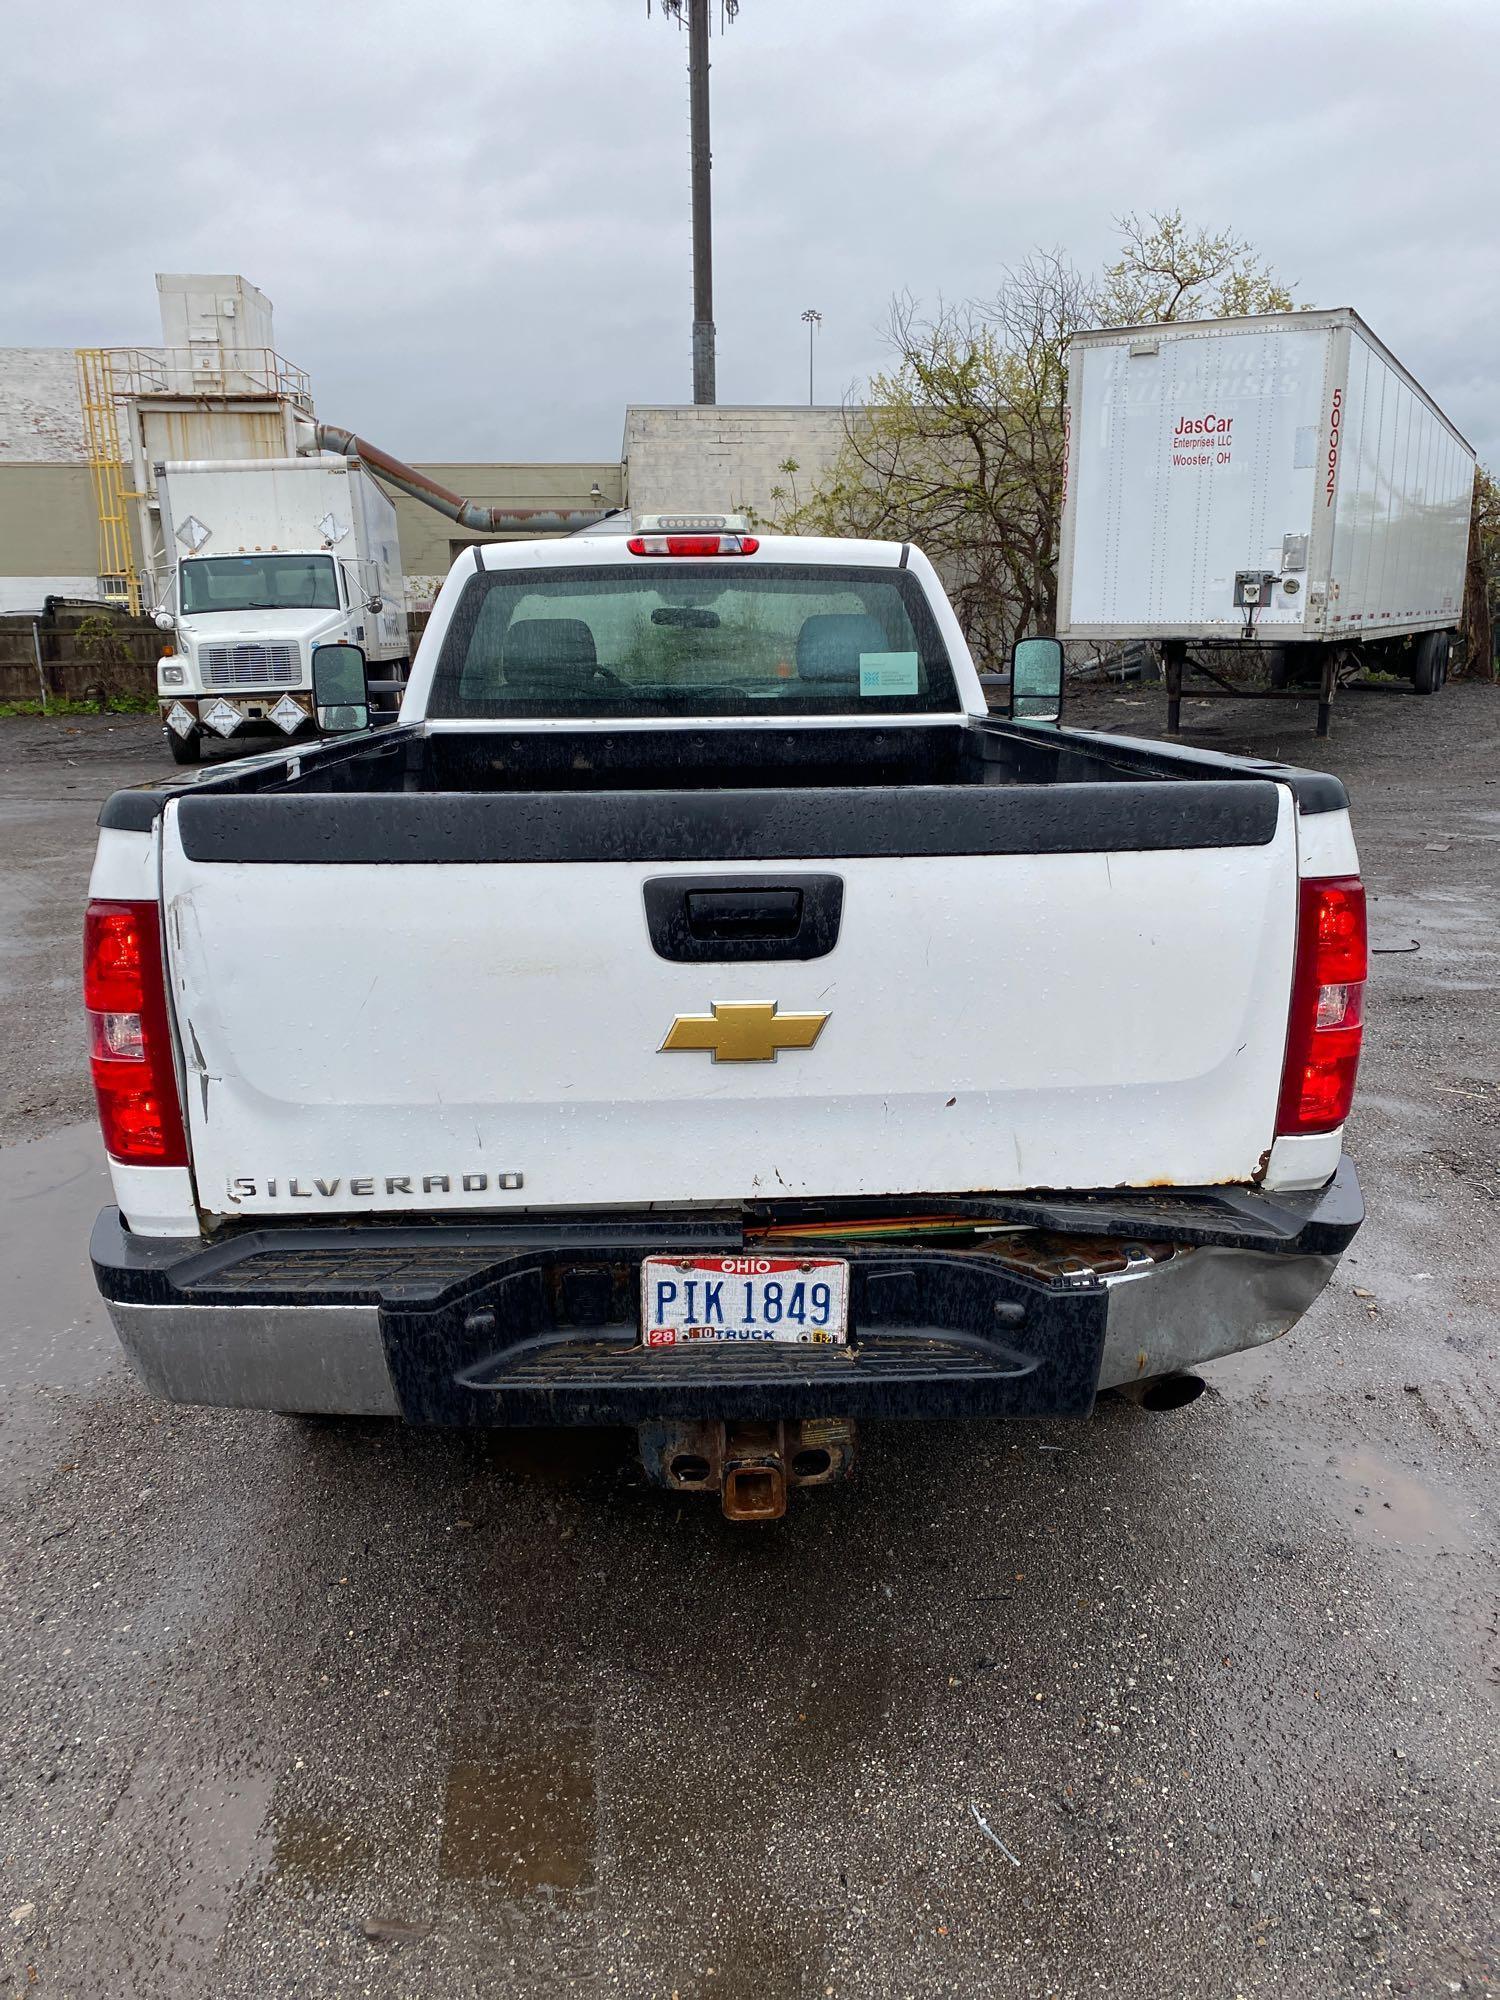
x: 250, y: 666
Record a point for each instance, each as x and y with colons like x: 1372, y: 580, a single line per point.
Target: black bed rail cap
x: 848, y: 822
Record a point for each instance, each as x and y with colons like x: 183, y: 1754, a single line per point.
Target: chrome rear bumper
x: 535, y: 1321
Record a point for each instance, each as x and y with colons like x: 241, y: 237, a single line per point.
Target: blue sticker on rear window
x: 888, y: 673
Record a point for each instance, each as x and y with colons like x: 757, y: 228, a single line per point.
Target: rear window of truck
x: 666, y: 638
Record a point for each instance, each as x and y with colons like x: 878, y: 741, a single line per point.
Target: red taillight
x: 1328, y: 998
x: 130, y: 1049
x: 692, y: 545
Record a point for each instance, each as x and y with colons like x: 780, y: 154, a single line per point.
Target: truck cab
x: 273, y: 558
x: 244, y: 628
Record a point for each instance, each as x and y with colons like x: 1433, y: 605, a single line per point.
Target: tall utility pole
x: 703, y: 221
x: 813, y: 319
x: 695, y: 12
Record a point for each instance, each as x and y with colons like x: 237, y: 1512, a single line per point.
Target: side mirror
x: 375, y: 605
x: 341, y: 693
x: 164, y: 621
x: 1036, y: 680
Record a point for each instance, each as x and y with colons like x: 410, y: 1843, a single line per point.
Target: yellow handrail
x: 112, y: 494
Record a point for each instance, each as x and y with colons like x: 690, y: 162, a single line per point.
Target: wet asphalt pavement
x: 1200, y: 1704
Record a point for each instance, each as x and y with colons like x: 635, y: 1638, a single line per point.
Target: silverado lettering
x: 248, y: 1187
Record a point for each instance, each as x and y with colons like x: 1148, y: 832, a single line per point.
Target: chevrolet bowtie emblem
x: 738, y: 1031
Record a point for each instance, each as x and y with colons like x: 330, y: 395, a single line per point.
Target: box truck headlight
x: 170, y: 674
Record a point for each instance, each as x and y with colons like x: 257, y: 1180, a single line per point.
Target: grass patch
x: 64, y: 704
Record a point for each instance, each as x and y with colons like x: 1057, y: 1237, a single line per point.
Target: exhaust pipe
x: 1163, y: 1392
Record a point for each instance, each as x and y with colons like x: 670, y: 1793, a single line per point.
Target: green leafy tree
x: 959, y: 444
x: 1482, y: 579
x: 101, y: 645
x: 1167, y: 271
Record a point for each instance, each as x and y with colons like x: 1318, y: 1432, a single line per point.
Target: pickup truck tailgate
x: 374, y: 1036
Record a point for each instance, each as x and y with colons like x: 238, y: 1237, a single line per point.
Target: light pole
x: 812, y: 319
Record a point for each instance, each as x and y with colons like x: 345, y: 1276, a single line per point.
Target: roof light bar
x: 693, y: 524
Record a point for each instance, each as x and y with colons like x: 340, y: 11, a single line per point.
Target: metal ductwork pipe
x: 467, y: 513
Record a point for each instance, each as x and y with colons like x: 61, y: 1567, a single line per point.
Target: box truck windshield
x: 259, y: 583
x: 723, y: 640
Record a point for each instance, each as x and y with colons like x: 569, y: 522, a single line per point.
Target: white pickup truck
x: 698, y: 1013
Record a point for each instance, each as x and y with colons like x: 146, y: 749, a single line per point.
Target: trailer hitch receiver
x: 749, y: 1465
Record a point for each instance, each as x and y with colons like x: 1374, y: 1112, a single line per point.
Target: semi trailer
x: 1280, y: 482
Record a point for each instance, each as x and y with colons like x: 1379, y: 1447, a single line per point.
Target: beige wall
x: 725, y: 456
x: 48, y: 526
x: 427, y: 538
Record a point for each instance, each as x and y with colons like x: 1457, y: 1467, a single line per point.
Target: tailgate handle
x: 739, y: 913
x: 695, y: 919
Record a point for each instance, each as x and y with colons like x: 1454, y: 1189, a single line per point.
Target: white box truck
x: 1280, y: 480
x: 274, y: 556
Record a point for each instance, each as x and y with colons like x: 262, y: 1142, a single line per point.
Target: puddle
x: 519, y: 1815
x: 1394, y: 1507
x: 315, y: 1854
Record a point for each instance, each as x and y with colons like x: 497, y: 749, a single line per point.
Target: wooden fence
x: 83, y: 652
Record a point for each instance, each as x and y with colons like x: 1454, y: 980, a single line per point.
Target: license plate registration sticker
x: 797, y: 1300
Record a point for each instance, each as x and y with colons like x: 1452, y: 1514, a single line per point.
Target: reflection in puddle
x: 520, y: 1814
x: 316, y: 1854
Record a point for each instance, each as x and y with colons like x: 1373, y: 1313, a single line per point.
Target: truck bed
x: 418, y: 761
x: 434, y: 971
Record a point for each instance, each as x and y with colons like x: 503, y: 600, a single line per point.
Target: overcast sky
x: 472, y: 215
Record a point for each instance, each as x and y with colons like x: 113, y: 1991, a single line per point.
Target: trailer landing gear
x: 749, y: 1465
x: 1173, y: 659
x: 1337, y: 664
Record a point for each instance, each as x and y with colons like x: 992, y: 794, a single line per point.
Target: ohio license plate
x: 801, y: 1300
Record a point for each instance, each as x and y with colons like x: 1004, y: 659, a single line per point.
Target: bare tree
x: 959, y: 446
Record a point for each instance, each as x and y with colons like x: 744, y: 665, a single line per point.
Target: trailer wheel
x: 185, y: 750
x: 1429, y: 667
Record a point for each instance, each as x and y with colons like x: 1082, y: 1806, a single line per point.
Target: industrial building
x: 82, y: 430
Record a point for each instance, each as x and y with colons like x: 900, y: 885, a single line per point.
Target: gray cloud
x: 472, y: 217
